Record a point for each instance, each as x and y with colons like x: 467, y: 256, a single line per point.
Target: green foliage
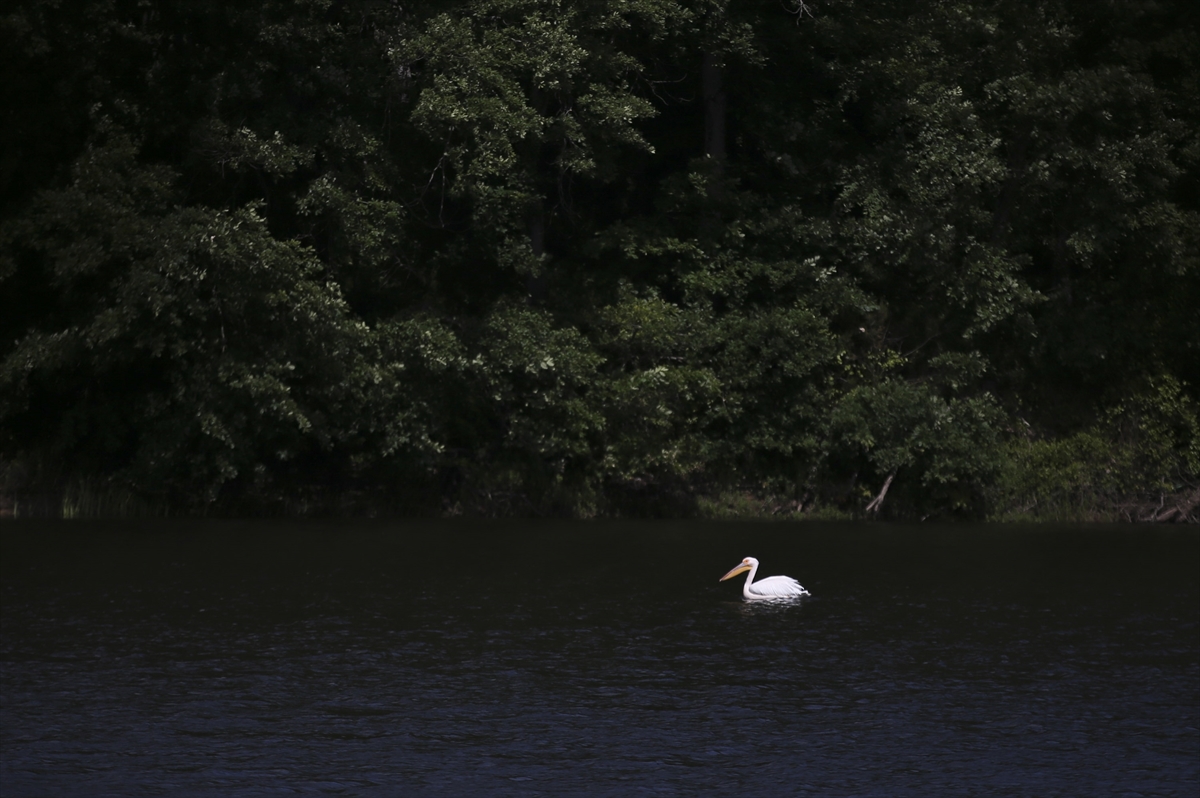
x: 631, y: 257
x: 523, y: 98
x: 537, y: 376
x: 949, y: 448
x: 655, y: 396
x: 187, y: 348
x: 1141, y: 451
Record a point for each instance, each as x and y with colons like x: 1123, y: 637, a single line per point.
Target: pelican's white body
x: 773, y: 587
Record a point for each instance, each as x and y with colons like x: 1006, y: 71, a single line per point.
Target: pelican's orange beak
x: 741, y: 569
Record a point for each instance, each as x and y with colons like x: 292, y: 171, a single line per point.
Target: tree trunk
x: 535, y: 283
x: 712, y: 76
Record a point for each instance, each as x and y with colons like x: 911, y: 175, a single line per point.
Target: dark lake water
x: 380, y: 659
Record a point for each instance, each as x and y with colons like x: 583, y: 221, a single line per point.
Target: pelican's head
x: 740, y: 568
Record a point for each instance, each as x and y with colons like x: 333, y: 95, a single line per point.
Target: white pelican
x: 773, y: 587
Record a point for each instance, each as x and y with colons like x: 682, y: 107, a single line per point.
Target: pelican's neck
x: 749, y: 578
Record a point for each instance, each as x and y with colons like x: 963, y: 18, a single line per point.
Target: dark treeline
x: 602, y: 257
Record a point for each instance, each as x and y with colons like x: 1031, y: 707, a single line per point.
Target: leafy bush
x: 1143, y: 451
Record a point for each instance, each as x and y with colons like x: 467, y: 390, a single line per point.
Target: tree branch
x: 877, y: 502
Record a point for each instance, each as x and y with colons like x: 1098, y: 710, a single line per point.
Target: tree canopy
x: 587, y: 257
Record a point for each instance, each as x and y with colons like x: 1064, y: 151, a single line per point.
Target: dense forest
x: 856, y: 258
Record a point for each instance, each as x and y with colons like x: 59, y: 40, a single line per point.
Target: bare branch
x: 799, y: 9
x: 877, y: 502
